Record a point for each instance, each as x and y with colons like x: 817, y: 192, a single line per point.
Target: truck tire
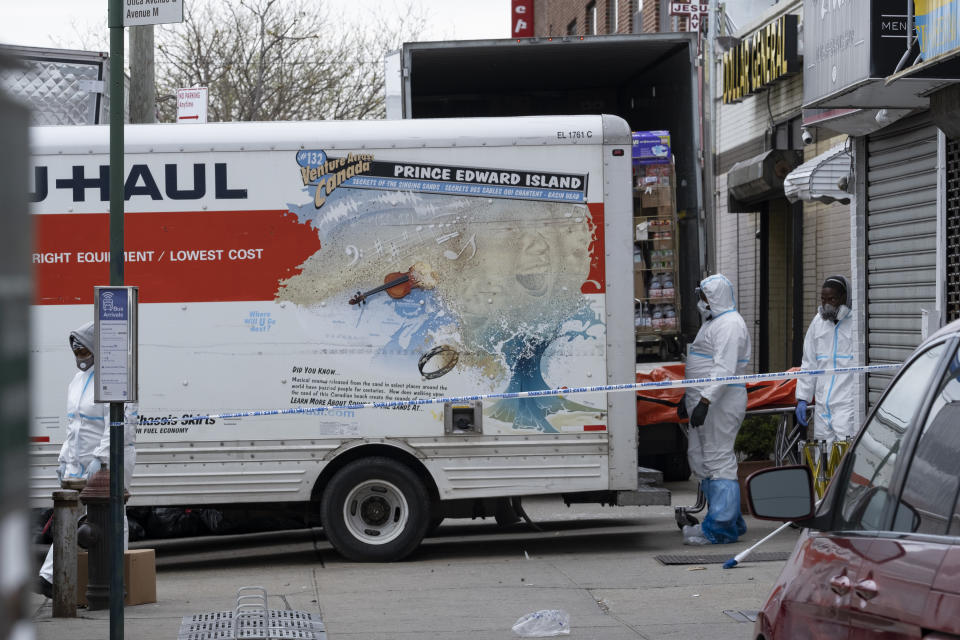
x: 375, y: 510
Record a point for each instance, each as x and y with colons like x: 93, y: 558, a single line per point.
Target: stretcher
x: 775, y: 397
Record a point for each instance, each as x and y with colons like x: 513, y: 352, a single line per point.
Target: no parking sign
x: 192, y: 105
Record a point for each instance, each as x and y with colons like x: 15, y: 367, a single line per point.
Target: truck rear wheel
x: 375, y: 510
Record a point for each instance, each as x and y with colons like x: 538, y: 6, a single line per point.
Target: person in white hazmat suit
x: 86, y: 447
x: 828, y: 345
x: 721, y: 348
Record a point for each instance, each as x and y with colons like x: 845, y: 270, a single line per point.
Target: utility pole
x: 143, y: 104
x: 710, y: 144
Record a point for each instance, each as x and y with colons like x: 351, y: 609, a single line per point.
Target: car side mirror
x: 781, y: 493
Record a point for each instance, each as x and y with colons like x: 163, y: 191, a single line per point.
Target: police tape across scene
x: 562, y: 391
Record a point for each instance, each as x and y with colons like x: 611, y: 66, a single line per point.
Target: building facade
x: 585, y: 17
x: 776, y: 245
x: 898, y: 96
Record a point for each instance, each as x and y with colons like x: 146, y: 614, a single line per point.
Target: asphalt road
x: 472, y: 579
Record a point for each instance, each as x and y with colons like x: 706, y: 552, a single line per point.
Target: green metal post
x: 115, y: 22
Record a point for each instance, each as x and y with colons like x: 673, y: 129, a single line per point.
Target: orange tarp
x: 655, y: 406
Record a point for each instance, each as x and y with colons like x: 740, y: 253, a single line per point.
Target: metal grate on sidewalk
x: 720, y: 558
x: 252, y: 620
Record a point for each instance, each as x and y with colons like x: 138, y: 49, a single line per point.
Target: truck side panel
x: 471, y: 270
x: 618, y: 228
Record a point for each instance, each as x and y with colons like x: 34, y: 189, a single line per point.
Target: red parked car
x: 880, y: 555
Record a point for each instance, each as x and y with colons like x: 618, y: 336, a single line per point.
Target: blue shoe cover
x: 724, y: 523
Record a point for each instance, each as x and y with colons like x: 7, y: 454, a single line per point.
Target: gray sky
x: 46, y: 23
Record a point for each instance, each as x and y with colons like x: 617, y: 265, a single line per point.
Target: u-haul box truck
x: 326, y: 264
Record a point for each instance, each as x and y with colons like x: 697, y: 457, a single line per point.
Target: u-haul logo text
x: 175, y: 183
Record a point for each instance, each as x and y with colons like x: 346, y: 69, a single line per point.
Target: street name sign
x: 138, y: 13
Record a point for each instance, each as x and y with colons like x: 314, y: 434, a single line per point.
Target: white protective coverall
x: 829, y: 345
x: 88, y: 435
x: 721, y: 348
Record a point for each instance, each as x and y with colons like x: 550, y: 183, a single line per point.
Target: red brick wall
x: 650, y: 16
x: 551, y: 17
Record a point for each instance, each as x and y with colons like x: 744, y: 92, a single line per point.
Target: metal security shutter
x: 901, y: 240
x: 953, y: 230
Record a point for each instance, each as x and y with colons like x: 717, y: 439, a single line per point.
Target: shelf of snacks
x: 656, y: 299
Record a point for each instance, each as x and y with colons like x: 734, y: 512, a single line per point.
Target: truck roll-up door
x: 901, y: 240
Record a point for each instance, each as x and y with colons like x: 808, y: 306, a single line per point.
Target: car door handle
x: 866, y: 589
x: 840, y: 585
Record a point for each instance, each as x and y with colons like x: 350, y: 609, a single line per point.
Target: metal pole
x: 115, y: 22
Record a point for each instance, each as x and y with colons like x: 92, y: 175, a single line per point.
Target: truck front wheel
x: 375, y: 510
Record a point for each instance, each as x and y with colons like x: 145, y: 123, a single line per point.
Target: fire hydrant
x: 94, y: 535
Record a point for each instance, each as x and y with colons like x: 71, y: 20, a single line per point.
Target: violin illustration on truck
x: 398, y: 285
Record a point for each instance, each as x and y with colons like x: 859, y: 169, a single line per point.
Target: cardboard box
x: 657, y: 174
x: 651, y: 147
x: 658, y: 171
x: 655, y: 196
x: 139, y: 576
x: 639, y: 287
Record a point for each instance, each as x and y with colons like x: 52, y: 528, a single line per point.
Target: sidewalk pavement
x: 471, y: 580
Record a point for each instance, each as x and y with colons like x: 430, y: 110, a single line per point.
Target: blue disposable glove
x: 802, y: 412
x: 61, y: 471
x: 93, y: 467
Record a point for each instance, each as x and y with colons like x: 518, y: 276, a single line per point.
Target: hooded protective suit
x: 829, y: 345
x: 86, y: 446
x: 721, y: 348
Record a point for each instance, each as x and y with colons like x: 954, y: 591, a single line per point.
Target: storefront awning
x: 819, y: 179
x: 760, y: 177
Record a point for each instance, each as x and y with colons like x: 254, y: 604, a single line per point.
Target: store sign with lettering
x: 761, y: 58
x: 694, y: 12
x: 522, y: 19
x: 938, y: 26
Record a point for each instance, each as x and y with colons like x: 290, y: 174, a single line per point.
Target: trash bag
x: 135, y: 530
x: 239, y: 520
x: 220, y: 522
x: 175, y: 522
x: 692, y: 535
x: 543, y: 623
x: 137, y: 522
x: 43, y: 526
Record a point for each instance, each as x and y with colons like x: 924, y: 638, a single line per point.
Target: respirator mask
x: 85, y: 362
x: 828, y: 312
x: 702, y: 306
